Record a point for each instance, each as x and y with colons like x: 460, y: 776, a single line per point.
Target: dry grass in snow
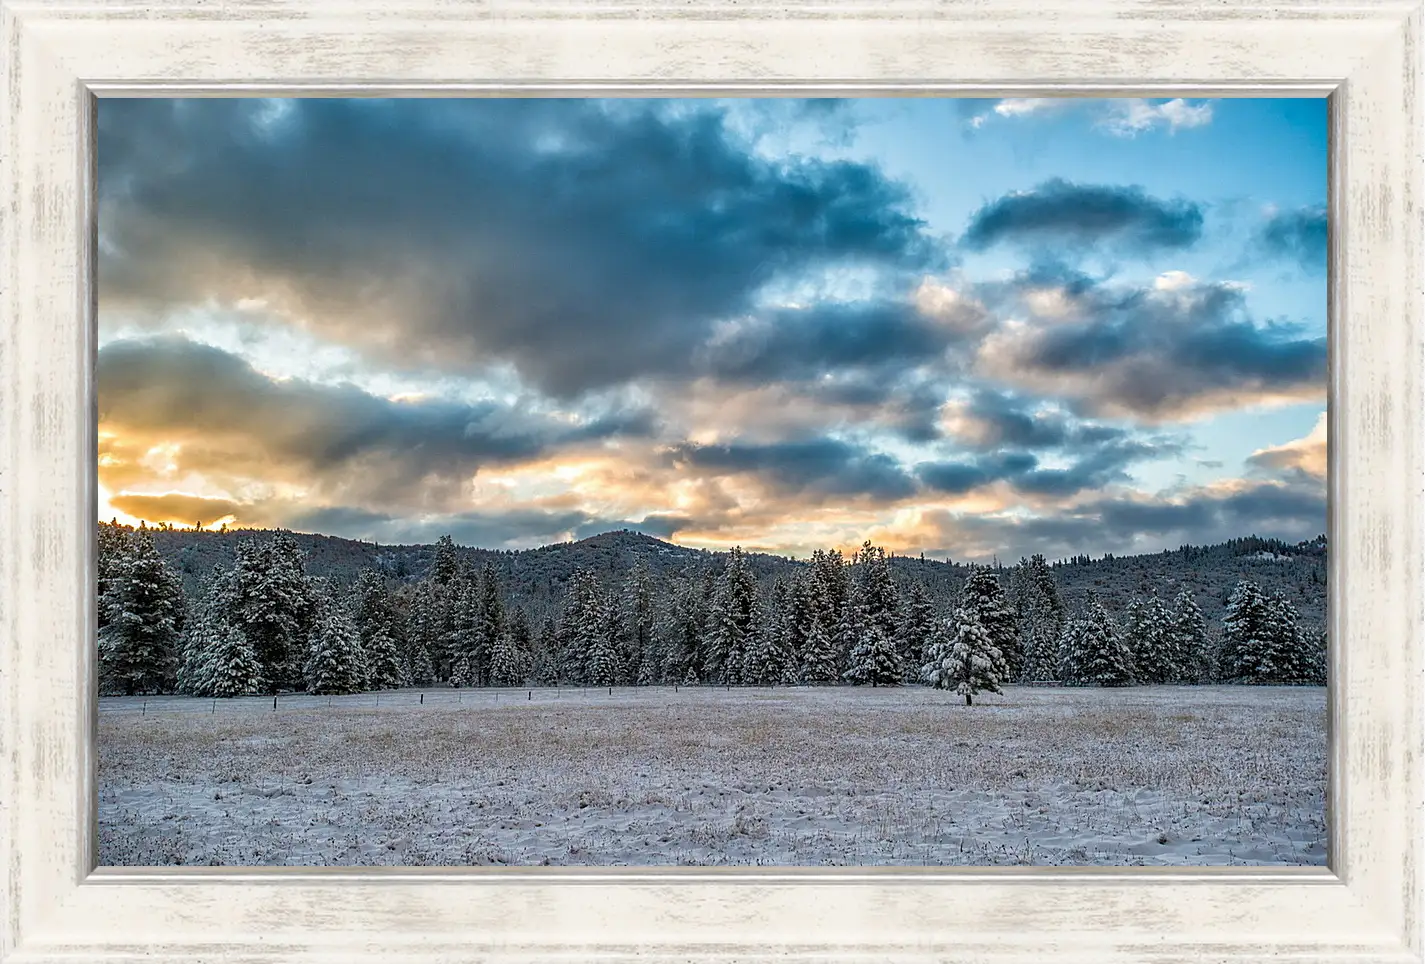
x: 789, y: 777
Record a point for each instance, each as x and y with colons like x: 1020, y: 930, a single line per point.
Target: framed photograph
x: 568, y: 481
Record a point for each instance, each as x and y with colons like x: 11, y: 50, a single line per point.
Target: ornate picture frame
x: 59, y: 56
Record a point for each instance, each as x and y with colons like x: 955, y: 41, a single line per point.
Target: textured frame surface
x: 59, y: 55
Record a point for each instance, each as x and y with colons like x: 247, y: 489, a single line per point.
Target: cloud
x: 1130, y: 117
x: 1059, y: 211
x: 1117, y: 117
x: 1297, y: 235
x: 224, y: 420
x: 176, y: 505
x: 1176, y: 350
x: 1303, y: 458
x: 1127, y: 522
x: 824, y: 466
x: 587, y: 243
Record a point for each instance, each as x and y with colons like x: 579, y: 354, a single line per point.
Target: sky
x: 975, y: 329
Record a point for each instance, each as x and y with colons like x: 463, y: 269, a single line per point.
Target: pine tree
x: 445, y: 566
x: 733, y: 620
x: 227, y: 666
x: 835, y: 616
x: 917, y: 625
x: 1151, y: 642
x: 506, y: 667
x: 377, y: 622
x: 1289, y: 654
x: 335, y: 663
x: 1190, y: 640
x: 385, y: 669
x: 491, y: 625
x: 113, y: 550
x: 818, y: 662
x: 1245, y: 655
x: 590, y: 654
x: 684, y: 620
x: 1041, y: 616
x: 421, y: 669
x: 875, y: 659
x: 1092, y: 652
x: 545, y: 664
x: 637, y: 625
x: 983, y: 594
x: 768, y: 658
x: 139, y: 647
x: 962, y: 656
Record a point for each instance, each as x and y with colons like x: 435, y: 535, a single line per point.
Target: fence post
x: 274, y: 704
x: 144, y: 711
x: 423, y: 699
x: 531, y: 696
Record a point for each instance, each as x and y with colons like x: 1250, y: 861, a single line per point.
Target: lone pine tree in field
x: 982, y: 594
x: 963, y: 657
x: 1091, y: 651
x: 139, y: 646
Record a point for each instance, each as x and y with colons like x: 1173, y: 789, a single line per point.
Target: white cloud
x: 1128, y: 118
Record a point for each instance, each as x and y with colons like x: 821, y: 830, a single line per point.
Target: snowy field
x: 703, y: 776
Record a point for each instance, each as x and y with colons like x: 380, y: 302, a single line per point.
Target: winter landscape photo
x: 712, y: 482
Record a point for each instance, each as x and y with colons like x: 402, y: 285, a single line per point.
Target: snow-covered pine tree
x: 1041, y: 615
x: 545, y: 664
x: 193, y: 648
x: 385, y: 668
x: 1319, y: 658
x: 425, y: 631
x: 589, y: 653
x: 1190, y: 640
x: 421, y: 669
x: 732, y: 621
x: 836, y: 618
x: 875, y: 659
x: 1150, y: 641
x: 506, y: 666
x: 819, y: 658
x: 491, y: 622
x: 228, y: 666
x: 1092, y: 651
x: 445, y: 565
x: 335, y: 662
x: 982, y: 593
x: 963, y: 657
x: 1245, y: 652
x: 917, y: 625
x: 113, y: 545
x: 879, y: 599
x: 1288, y: 654
x: 684, y: 618
x: 138, y: 649
x: 378, y: 624
x: 637, y: 625
x: 768, y: 658
x: 522, y: 634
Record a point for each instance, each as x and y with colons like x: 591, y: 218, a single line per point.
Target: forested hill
x: 538, y: 578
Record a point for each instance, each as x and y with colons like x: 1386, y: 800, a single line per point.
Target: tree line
x: 263, y: 625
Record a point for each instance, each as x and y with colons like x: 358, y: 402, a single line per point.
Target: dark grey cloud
x: 231, y: 419
x: 823, y: 466
x: 1060, y: 211
x: 586, y: 242
x: 1123, y: 524
x: 1297, y: 235
x: 1162, y: 353
x: 1093, y: 465
x: 801, y: 344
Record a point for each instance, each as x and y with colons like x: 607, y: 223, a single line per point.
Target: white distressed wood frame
x: 1366, y: 56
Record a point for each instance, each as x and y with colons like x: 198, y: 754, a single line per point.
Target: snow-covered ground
x: 837, y: 776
